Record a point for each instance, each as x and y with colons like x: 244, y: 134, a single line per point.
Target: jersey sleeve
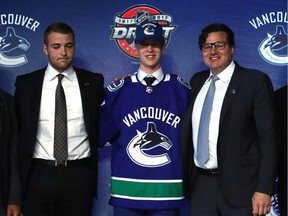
x: 108, y: 123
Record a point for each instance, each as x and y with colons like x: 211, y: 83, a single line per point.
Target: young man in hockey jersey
x: 141, y: 118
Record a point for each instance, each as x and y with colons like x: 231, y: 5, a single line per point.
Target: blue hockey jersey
x: 144, y: 130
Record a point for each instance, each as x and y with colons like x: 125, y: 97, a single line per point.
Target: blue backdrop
x: 103, y: 42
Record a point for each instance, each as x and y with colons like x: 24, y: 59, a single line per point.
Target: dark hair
x: 216, y: 27
x: 59, y: 28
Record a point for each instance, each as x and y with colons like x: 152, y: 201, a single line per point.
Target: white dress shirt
x: 159, y: 75
x: 221, y: 86
x: 78, y: 144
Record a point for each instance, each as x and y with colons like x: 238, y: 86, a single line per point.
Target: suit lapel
x: 1, y: 117
x: 196, y: 86
x: 231, y: 92
x: 36, y: 92
x: 84, y: 85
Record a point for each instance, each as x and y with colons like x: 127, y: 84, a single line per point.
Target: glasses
x: 220, y: 45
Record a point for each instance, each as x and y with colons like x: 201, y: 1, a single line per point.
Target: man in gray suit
x: 10, y: 198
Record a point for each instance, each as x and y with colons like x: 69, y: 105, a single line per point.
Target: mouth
x: 63, y: 59
x: 214, y: 58
x: 150, y: 57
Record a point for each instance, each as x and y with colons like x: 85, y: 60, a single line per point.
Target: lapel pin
x: 233, y: 91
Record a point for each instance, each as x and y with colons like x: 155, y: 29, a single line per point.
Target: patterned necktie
x: 60, y: 129
x: 149, y: 80
x: 203, y: 132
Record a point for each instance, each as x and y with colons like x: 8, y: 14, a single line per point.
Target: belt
x: 66, y: 163
x: 208, y: 172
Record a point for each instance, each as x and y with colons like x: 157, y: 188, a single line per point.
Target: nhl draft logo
x: 273, y: 49
x: 10, y: 43
x: 140, y: 147
x: 126, y: 22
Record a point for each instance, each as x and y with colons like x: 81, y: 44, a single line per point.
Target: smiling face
x: 217, y: 60
x: 60, y: 49
x: 149, y: 53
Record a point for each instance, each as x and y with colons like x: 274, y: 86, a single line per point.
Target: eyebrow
x: 69, y: 43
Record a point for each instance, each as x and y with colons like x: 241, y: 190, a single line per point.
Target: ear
x: 45, y: 49
x: 232, y: 50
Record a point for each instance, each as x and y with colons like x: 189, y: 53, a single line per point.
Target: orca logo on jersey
x: 143, y: 143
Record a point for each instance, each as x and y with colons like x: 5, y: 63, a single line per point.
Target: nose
x: 63, y: 50
x: 149, y: 48
x: 213, y: 49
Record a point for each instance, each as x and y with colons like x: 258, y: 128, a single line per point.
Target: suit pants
x: 118, y: 211
x: 2, y: 211
x: 208, y: 199
x: 59, y: 191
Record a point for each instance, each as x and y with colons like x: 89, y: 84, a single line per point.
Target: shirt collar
x: 157, y: 74
x: 51, y: 73
x: 226, y: 74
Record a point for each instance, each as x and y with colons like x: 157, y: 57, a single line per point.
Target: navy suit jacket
x: 27, y: 103
x: 9, y: 176
x: 281, y: 109
x: 247, y: 141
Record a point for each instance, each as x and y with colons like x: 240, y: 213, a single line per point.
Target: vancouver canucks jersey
x: 143, y: 125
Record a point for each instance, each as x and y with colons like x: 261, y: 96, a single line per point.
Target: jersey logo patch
x: 115, y: 86
x: 139, y: 147
x: 181, y: 81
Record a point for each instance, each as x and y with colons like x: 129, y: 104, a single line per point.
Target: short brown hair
x: 58, y: 27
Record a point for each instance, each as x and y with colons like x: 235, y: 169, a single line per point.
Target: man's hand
x: 120, y: 78
x: 261, y: 204
x: 13, y: 210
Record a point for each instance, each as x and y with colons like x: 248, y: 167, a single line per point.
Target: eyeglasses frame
x: 215, y: 45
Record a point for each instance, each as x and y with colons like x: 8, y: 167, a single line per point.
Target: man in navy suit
x: 238, y: 176
x: 10, y: 197
x: 281, y: 109
x: 50, y: 186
